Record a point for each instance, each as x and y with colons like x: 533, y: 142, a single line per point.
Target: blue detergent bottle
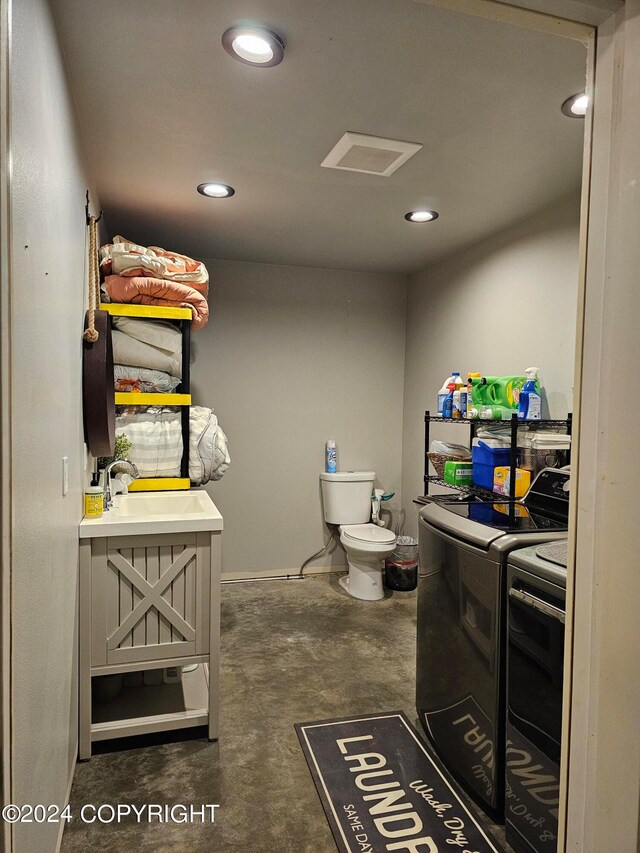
x: 447, y: 406
x: 529, y: 401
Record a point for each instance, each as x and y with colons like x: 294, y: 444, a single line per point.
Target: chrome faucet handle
x: 124, y: 467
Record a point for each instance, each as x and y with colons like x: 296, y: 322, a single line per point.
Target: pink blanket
x: 155, y: 291
x: 122, y: 257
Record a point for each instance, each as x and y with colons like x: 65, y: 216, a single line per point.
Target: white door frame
x: 5, y: 429
x: 600, y: 773
x: 601, y: 740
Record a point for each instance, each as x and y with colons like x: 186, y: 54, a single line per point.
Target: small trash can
x: 401, y: 566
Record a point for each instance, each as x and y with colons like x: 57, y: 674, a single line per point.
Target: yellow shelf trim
x: 132, y: 398
x: 159, y: 484
x: 158, y: 312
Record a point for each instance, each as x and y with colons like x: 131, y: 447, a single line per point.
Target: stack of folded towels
x: 147, y: 358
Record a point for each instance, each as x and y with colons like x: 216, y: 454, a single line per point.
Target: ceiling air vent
x: 373, y: 155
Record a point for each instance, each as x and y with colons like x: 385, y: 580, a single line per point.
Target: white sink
x: 154, y: 512
x: 163, y: 503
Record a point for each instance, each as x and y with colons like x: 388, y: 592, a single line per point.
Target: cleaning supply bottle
x: 93, y: 499
x: 470, y: 409
x: 478, y: 397
x: 442, y: 393
x: 331, y: 465
x: 529, y: 401
x: 495, y: 413
x: 447, y: 406
x: 505, y: 390
x: 459, y: 409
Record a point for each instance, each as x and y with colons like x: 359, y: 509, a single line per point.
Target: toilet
x: 346, y: 499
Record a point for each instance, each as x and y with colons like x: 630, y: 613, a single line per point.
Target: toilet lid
x: 369, y: 533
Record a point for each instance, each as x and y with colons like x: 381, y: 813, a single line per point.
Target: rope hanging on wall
x: 91, y: 334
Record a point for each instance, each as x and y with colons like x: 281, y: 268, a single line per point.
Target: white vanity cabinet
x: 148, y: 601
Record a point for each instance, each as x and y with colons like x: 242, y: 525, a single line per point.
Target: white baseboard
x: 278, y: 573
x: 63, y: 823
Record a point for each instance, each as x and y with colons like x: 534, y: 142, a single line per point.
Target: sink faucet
x: 126, y: 467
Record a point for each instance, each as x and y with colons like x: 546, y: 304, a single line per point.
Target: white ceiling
x: 591, y: 12
x: 163, y: 108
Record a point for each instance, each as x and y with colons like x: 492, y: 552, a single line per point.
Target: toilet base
x: 364, y: 580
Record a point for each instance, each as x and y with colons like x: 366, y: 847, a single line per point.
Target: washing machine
x: 462, y: 592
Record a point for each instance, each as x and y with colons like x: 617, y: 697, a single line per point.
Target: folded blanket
x: 127, y: 378
x: 156, y: 443
x: 125, y: 258
x: 154, y: 291
x: 159, y: 333
x: 128, y: 350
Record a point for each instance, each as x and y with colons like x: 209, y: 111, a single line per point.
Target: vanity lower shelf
x: 148, y: 708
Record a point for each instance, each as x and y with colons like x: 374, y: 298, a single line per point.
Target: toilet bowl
x: 366, y: 546
x: 346, y: 500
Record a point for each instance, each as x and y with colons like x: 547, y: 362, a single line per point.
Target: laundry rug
x: 382, y: 791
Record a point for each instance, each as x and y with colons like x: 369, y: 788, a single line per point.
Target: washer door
x: 459, y: 660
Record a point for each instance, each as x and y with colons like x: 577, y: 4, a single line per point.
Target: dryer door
x: 534, y: 711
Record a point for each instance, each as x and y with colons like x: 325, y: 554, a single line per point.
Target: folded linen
x: 155, y: 291
x: 156, y: 443
x: 126, y: 378
x: 128, y: 350
x: 158, y: 333
x: 122, y: 257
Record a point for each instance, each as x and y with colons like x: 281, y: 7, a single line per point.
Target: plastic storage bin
x: 487, y: 454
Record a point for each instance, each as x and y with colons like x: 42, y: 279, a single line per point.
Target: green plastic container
x: 498, y: 391
x: 458, y: 473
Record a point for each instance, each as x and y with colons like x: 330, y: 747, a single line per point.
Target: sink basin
x: 155, y: 512
x: 162, y: 503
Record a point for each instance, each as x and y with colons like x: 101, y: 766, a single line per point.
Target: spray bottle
x: 529, y: 401
x: 447, y: 406
x: 442, y: 393
x: 331, y: 457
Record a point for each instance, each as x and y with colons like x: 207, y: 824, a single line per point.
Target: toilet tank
x: 346, y: 496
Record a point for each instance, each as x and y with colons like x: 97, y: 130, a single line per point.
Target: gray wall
x: 48, y: 289
x: 293, y: 356
x: 501, y: 306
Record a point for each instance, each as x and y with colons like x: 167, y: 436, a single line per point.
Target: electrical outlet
x: 65, y: 475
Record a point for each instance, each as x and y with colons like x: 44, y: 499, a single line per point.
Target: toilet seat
x: 368, y: 533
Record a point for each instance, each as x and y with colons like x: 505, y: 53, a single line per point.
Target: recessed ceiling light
x: 421, y: 216
x: 576, y: 106
x: 254, y: 46
x: 216, y: 190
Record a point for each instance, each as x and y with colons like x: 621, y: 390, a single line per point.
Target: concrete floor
x: 292, y: 652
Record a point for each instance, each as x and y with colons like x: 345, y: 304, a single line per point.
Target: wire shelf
x: 435, y: 419
x: 469, y: 490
